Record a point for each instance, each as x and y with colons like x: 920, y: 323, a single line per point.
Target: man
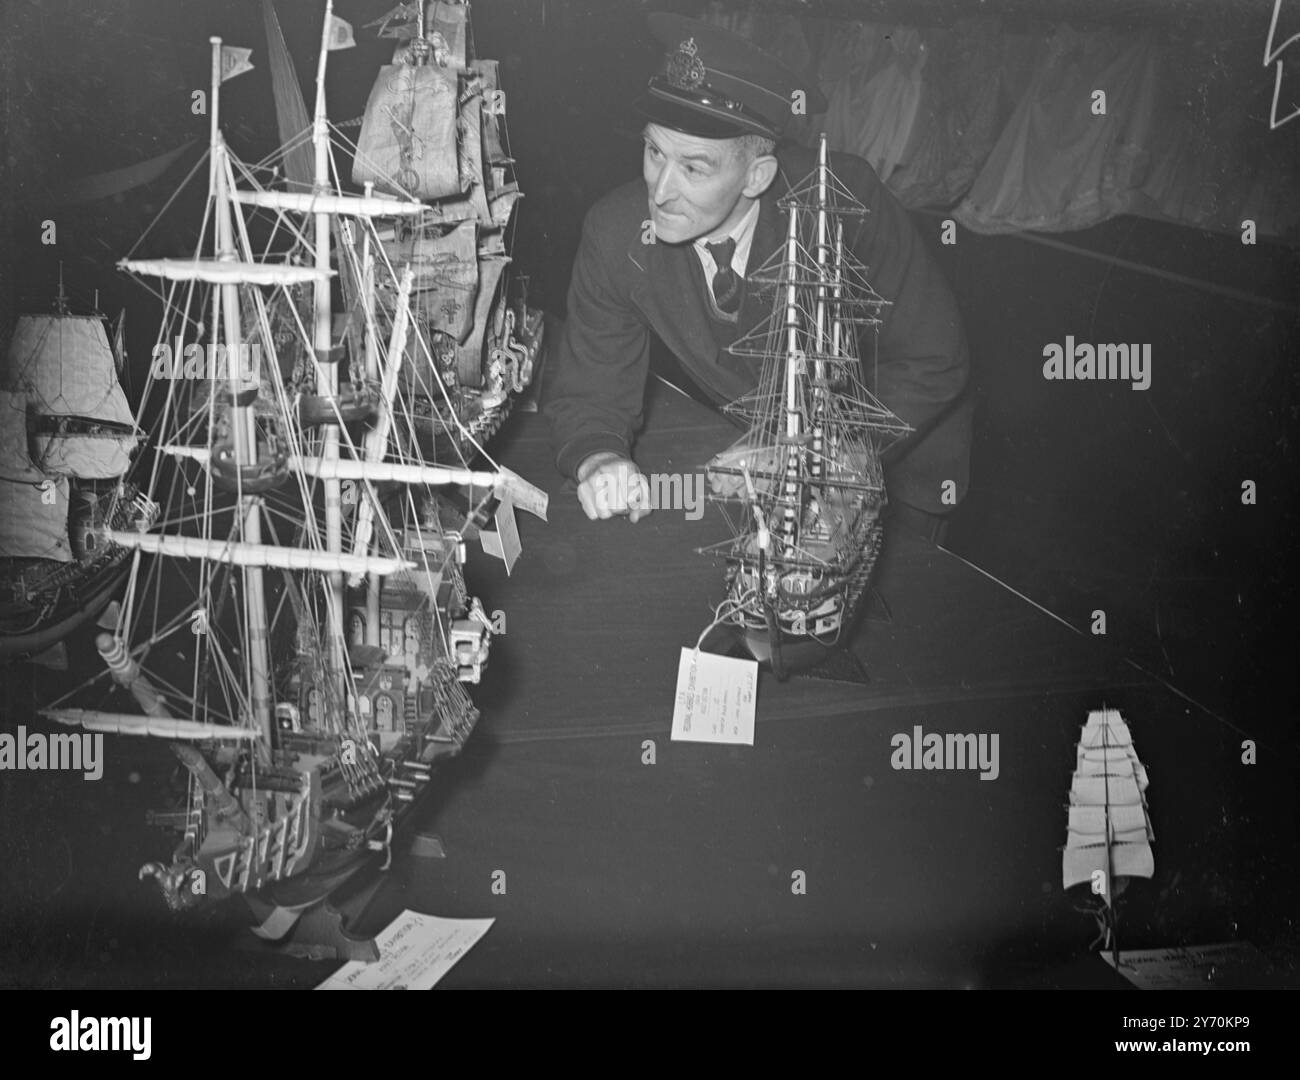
x: 668, y: 254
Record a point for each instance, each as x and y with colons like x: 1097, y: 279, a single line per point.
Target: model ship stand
x: 810, y: 489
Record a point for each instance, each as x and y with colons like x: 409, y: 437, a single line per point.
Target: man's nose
x: 664, y: 187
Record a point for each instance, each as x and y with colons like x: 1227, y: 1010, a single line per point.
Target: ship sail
x: 66, y: 363
x: 15, y: 459
x: 66, y: 366
x: 1109, y: 831
x: 34, y: 520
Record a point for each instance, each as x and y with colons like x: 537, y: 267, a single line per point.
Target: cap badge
x: 685, y: 69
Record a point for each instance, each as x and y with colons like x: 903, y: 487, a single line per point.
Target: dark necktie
x: 726, y: 282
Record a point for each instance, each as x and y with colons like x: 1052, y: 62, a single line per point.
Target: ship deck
x: 679, y: 873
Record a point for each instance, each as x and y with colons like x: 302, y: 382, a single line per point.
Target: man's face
x: 695, y: 184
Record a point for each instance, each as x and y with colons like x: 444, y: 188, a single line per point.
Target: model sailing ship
x: 434, y: 129
x: 326, y: 634
x: 1109, y: 834
x: 811, y: 489
x: 67, y: 438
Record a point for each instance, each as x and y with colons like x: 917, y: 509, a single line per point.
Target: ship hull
x: 300, y: 847
x: 89, y: 596
x: 329, y: 870
x: 770, y: 639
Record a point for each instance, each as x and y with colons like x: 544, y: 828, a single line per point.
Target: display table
x: 682, y: 872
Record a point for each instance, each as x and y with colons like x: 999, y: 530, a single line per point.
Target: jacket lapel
x: 669, y: 295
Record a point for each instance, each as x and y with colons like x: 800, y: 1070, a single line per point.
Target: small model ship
x: 811, y: 490
x: 67, y: 438
x: 1109, y: 833
x: 302, y: 568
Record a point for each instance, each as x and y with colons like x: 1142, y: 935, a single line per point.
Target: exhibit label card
x: 1231, y: 964
x: 504, y: 543
x: 415, y: 951
x: 715, y: 698
x: 526, y: 496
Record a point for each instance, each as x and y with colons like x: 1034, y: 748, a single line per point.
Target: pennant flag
x: 234, y: 61
x: 340, y: 34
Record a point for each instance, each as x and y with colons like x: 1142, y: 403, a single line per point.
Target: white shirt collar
x: 743, y: 234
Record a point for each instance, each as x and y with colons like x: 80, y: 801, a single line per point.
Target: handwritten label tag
x: 1232, y: 964
x: 504, y: 543
x: 526, y: 496
x: 715, y: 699
x: 415, y: 951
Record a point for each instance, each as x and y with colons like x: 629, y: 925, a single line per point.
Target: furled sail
x: 236, y: 553
x: 221, y: 272
x: 319, y: 203
x: 376, y: 472
x: 103, y: 456
x: 158, y: 727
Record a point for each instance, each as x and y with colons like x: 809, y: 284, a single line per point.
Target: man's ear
x: 759, y: 176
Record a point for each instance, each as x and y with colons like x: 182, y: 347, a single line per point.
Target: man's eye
x: 653, y: 151
x: 694, y: 170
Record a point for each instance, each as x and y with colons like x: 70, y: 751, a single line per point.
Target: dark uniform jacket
x: 624, y: 288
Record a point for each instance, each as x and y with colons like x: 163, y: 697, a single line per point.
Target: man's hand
x: 610, y: 485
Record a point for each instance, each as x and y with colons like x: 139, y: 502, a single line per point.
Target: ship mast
x: 327, y: 369
x: 831, y: 437
x: 819, y: 364
x: 372, y: 373
x: 791, y: 384
x: 225, y: 311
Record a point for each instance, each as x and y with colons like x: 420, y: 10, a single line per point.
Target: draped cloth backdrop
x: 1001, y: 126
